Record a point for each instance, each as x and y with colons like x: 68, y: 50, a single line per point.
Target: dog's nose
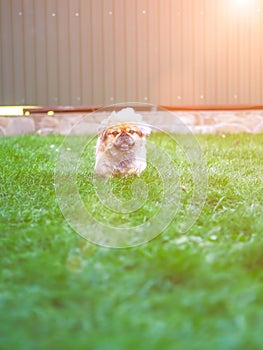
x: 124, y: 141
x: 123, y: 136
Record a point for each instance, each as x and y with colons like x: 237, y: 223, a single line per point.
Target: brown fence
x: 100, y: 52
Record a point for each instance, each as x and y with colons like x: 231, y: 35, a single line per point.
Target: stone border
x: 199, y: 122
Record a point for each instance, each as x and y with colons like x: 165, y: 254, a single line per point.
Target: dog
x: 120, y: 148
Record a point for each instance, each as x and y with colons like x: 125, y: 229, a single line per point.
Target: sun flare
x: 243, y: 4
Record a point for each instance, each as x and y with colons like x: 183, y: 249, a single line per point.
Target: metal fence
x: 99, y: 52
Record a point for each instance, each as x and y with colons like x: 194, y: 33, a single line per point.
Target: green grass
x: 200, y: 290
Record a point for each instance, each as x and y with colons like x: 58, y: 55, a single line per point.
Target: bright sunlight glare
x: 244, y: 4
x: 245, y: 7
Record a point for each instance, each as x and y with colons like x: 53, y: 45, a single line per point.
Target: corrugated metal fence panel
x: 7, y: 71
x: 40, y: 54
x: 99, y: 52
x: 64, y: 53
x: 17, y: 42
x: 86, y: 56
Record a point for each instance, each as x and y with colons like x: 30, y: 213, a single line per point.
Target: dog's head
x: 124, y: 137
x: 120, y: 148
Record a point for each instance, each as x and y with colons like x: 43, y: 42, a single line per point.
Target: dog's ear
x: 144, y: 131
x: 103, y: 134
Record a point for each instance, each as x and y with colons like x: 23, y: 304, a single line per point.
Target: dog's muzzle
x: 124, y: 142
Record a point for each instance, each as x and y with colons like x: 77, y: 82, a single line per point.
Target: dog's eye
x: 132, y: 132
x: 115, y: 133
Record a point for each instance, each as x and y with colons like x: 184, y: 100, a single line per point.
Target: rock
x: 19, y: 126
x: 228, y: 128
x: 4, y: 121
x: 2, y: 131
x: 259, y: 128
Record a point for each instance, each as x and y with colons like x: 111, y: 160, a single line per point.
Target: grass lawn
x: 200, y: 290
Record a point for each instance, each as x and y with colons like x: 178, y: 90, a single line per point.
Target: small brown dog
x: 120, y: 149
